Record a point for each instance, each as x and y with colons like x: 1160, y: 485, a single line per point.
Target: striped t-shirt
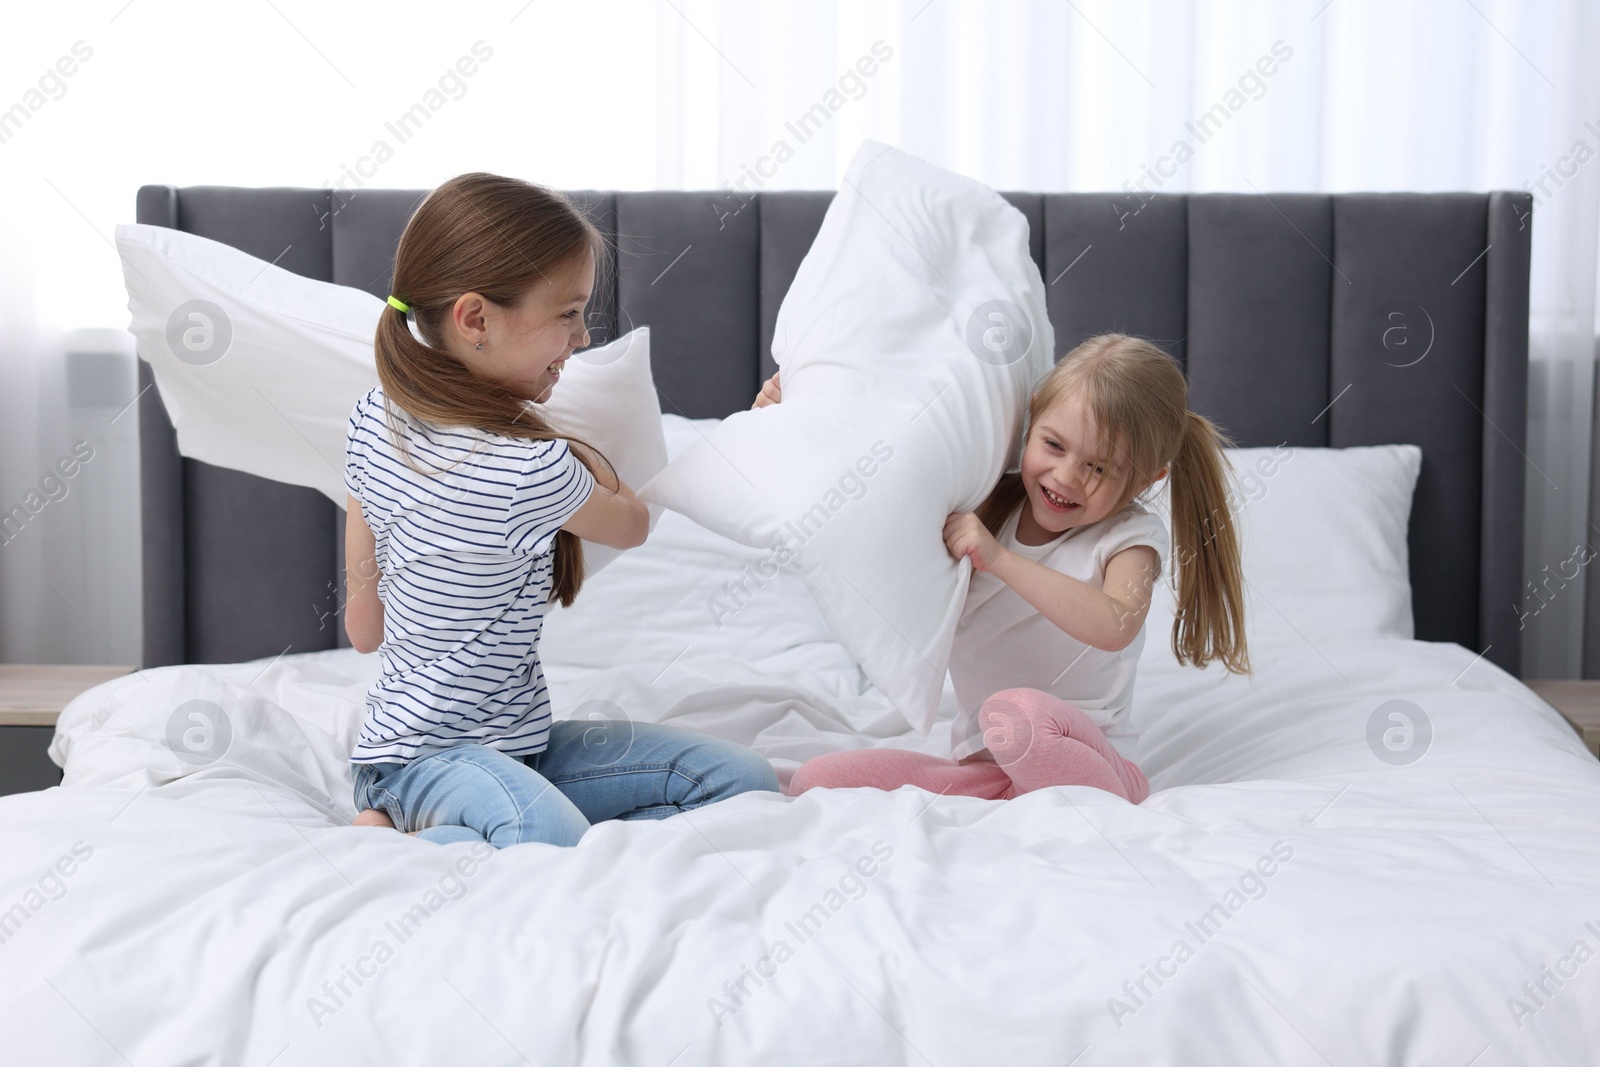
x: 467, y: 558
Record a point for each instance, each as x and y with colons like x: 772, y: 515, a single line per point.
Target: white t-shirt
x: 467, y: 560
x: 1003, y: 642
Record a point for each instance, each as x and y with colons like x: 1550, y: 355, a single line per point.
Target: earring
x: 480, y: 346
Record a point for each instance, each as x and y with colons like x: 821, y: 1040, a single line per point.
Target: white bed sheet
x: 216, y: 902
x: 212, y: 911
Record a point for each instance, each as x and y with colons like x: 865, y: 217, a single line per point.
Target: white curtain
x: 724, y: 94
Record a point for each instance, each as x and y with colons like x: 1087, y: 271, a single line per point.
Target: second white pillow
x: 908, y: 343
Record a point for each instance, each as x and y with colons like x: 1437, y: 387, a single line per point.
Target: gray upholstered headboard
x: 1287, y: 313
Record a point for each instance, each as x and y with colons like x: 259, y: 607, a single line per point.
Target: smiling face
x: 1070, y: 477
x: 525, y: 346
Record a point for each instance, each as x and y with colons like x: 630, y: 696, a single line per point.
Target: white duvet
x: 1285, y: 896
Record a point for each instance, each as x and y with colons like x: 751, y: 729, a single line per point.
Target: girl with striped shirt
x: 466, y: 511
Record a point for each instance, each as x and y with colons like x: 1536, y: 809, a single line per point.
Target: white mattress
x: 212, y: 910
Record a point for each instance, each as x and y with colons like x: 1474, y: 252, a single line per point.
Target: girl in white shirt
x: 1064, y: 559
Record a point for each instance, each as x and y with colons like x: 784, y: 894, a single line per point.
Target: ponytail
x: 1209, y: 622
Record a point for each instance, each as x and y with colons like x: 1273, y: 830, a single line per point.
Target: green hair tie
x: 399, y: 305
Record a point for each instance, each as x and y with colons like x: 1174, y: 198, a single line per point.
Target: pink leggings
x: 1037, y: 741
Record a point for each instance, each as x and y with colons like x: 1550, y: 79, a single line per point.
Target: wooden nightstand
x: 1578, y: 701
x: 31, y: 696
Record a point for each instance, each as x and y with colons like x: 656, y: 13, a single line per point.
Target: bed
x: 1284, y: 896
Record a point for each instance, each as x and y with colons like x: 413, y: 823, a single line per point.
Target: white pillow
x: 607, y: 397
x: 1323, y: 544
x: 908, y: 343
x: 259, y: 367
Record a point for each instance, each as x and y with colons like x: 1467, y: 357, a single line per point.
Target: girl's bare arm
x: 1107, y: 619
x: 612, y: 516
x: 363, y: 611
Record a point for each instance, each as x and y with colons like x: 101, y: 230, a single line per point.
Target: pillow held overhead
x: 908, y: 343
x: 259, y: 367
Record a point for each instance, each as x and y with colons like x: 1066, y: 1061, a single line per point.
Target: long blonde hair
x: 1138, y: 398
x: 498, y: 237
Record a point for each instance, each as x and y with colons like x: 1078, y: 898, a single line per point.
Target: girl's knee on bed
x: 485, y: 791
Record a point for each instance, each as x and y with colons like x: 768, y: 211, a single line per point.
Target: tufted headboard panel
x: 1287, y: 312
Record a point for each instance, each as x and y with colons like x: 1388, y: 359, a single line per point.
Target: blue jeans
x: 589, y: 773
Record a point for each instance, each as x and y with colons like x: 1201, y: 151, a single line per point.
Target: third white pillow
x: 1323, y: 543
